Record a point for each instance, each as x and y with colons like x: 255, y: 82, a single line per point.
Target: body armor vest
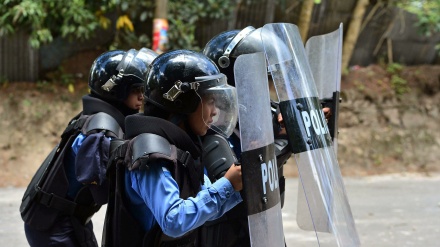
x: 148, y: 145
x: 46, y: 195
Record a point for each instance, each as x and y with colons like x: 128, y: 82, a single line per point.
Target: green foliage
x: 60, y: 76
x: 399, y: 84
x: 184, y: 15
x: 394, y: 68
x: 428, y: 12
x: 26, y: 103
x: 46, y: 19
x: 79, y: 19
x: 139, y: 13
x: 3, y: 80
x: 46, y: 86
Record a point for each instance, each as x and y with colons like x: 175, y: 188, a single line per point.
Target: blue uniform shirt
x: 154, y: 197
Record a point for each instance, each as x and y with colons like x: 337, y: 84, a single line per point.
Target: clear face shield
x: 219, y: 104
x: 127, y: 67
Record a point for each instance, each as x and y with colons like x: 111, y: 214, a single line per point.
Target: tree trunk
x: 353, y: 31
x: 304, y: 18
x: 161, y: 9
x: 270, y: 12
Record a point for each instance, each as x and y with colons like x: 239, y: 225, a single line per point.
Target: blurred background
x: 389, y: 114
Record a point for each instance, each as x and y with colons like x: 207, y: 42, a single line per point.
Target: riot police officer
x: 75, y: 185
x: 162, y: 196
x: 223, y: 49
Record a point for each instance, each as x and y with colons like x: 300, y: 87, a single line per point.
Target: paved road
x: 389, y: 211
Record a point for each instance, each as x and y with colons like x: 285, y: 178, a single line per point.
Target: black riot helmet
x: 178, y: 81
x: 225, y: 47
x: 114, y: 73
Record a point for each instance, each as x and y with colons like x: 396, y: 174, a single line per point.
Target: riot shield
x: 325, y: 58
x: 322, y: 204
x: 259, y: 166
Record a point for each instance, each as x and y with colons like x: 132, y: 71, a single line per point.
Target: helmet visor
x: 146, y: 55
x: 131, y: 63
x: 219, y: 106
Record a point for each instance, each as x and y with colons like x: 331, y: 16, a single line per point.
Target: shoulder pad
x: 217, y: 156
x: 145, y: 144
x: 103, y: 121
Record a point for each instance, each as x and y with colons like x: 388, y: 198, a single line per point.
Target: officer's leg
x: 84, y: 234
x: 61, y: 234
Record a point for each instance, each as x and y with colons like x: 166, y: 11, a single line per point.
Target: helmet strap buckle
x: 112, y: 82
x: 180, y: 87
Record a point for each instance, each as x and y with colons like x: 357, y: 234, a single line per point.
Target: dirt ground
x: 389, y: 121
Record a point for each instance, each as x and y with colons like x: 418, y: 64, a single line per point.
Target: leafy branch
x: 79, y: 19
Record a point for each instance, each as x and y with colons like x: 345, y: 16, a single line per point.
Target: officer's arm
x: 174, y: 215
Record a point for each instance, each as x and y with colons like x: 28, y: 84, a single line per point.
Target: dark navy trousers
x: 66, y: 232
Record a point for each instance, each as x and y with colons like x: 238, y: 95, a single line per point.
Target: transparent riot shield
x: 259, y: 166
x: 325, y: 58
x: 323, y: 205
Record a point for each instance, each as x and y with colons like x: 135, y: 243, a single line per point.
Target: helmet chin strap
x: 223, y: 61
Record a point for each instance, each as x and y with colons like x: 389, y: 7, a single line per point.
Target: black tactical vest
x: 149, y: 139
x: 46, y: 195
